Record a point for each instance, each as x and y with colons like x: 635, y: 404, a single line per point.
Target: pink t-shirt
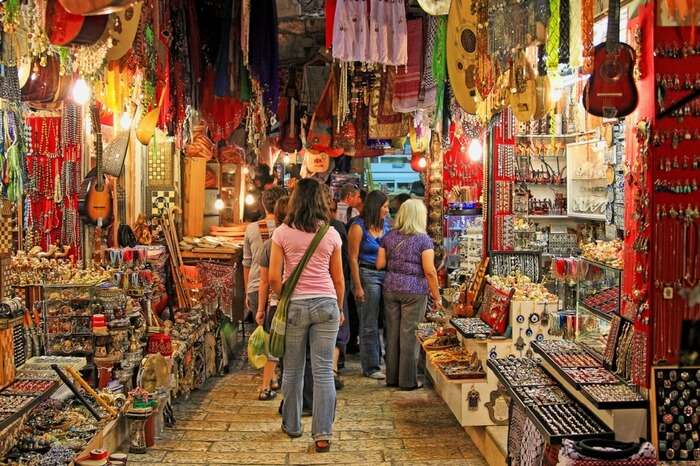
x: 315, y: 280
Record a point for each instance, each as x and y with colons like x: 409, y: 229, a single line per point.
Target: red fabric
x: 222, y: 114
x: 407, y: 84
x: 330, y: 17
x: 495, y: 309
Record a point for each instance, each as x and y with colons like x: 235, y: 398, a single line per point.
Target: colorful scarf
x: 440, y: 68
x: 408, y: 80
x: 263, y: 54
x: 427, y: 94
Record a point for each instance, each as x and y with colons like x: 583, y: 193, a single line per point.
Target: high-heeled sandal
x: 267, y: 394
x: 322, y: 446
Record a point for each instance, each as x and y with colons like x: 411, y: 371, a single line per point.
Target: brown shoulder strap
x: 264, y: 230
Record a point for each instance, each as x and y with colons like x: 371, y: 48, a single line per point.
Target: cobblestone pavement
x: 226, y: 424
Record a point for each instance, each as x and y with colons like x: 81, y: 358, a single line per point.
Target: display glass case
x: 588, y: 175
x: 463, y: 238
x: 598, y: 299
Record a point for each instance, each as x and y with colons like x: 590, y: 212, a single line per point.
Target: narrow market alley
x: 226, y: 424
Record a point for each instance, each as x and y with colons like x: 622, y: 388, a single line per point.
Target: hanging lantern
x: 418, y: 162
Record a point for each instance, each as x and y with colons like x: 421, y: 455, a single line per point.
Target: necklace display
x: 53, y: 180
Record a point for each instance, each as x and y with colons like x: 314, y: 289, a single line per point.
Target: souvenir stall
x: 565, y: 325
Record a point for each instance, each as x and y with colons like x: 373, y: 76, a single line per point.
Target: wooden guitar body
x: 461, y: 54
x: 523, y: 96
x: 94, y: 7
x: 64, y: 28
x: 611, y: 91
x: 97, y: 206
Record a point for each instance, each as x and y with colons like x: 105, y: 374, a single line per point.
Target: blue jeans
x: 314, y: 320
x: 368, y: 311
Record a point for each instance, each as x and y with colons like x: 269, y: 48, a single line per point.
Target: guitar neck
x: 613, y: 34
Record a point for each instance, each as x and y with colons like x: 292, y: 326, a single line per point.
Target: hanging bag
x: 278, y: 328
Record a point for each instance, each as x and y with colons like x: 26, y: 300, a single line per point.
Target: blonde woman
x: 409, y: 258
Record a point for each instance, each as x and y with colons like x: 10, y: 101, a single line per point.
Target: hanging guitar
x: 96, y: 206
x: 611, y: 91
x: 461, y: 53
x: 523, y: 88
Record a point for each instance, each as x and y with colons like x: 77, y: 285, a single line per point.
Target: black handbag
x: 606, y: 449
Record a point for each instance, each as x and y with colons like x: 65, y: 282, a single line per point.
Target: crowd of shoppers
x: 386, y: 269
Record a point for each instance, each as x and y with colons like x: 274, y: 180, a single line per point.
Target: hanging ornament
x: 473, y: 398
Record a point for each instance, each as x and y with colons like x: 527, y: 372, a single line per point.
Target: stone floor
x: 375, y: 425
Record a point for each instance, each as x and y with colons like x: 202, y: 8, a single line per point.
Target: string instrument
x: 46, y: 86
x: 94, y: 7
x: 291, y: 141
x: 523, y: 89
x: 64, y: 28
x: 123, y: 26
x: 461, y: 53
x: 97, y: 207
x: 611, y: 91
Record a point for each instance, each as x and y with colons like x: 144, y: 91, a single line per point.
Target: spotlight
x: 80, y: 91
x: 125, y: 121
x: 249, y: 199
x: 219, y: 203
x: 475, y: 150
x: 246, y: 170
x: 422, y: 163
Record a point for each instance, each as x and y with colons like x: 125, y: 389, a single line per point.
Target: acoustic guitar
x: 96, y: 206
x: 64, y: 28
x: 611, y: 91
x: 523, y: 88
x: 462, y: 53
x: 94, y: 7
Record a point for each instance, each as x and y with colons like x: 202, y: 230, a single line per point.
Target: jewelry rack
x: 526, y: 262
x: 606, y: 377
x: 562, y: 410
x: 674, y: 423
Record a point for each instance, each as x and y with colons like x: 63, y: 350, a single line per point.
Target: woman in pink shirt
x: 313, y: 313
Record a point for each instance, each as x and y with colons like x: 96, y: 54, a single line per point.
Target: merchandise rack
x: 605, y: 405
x: 4, y: 423
x: 550, y: 437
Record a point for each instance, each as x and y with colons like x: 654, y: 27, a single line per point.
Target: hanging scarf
x: 407, y: 84
x: 564, y: 28
x: 553, y: 36
x: 263, y: 54
x: 427, y: 94
x: 440, y: 68
x: 221, y: 83
x: 575, y: 43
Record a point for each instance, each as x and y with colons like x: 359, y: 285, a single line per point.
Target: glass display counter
x: 598, y: 299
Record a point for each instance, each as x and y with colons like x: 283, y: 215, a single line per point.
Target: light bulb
x: 285, y: 159
x: 125, y: 121
x: 475, y: 150
x: 219, y: 203
x: 81, y: 92
x: 422, y: 163
x: 555, y: 95
x: 246, y: 170
x: 249, y: 199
